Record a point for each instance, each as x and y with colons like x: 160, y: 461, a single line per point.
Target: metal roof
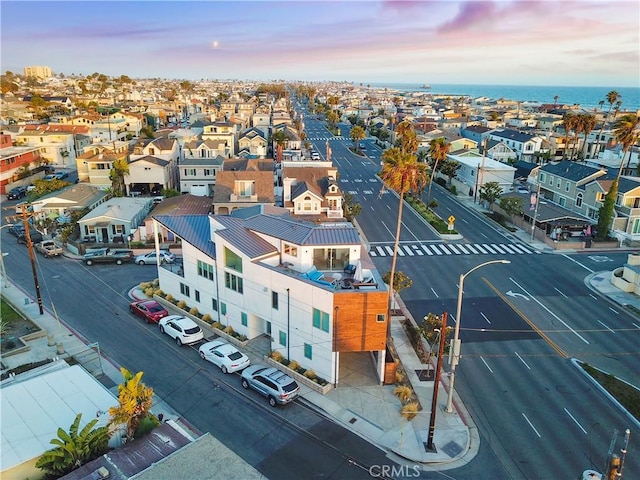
x: 304, y: 233
x: 193, y: 229
x: 240, y: 237
x: 571, y: 170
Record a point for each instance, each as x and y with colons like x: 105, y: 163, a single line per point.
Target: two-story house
x: 243, y: 183
x: 163, y: 152
x: 476, y: 170
x: 95, y: 163
x: 198, y: 175
x: 263, y: 273
x: 312, y: 192
x: 564, y: 183
x: 253, y: 142
x: 57, y: 148
x: 222, y: 131
x: 15, y: 163
x: 524, y: 144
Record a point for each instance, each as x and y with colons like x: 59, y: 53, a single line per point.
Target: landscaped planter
x: 206, y: 327
x: 316, y: 387
x: 390, y: 367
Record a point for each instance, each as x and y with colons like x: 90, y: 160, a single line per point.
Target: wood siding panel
x: 356, y: 328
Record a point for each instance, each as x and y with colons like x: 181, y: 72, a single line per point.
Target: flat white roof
x: 32, y: 411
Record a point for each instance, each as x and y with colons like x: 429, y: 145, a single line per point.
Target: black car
x: 17, y: 193
x: 36, y: 237
x: 16, y: 230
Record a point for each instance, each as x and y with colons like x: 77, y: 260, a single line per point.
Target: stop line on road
x: 435, y: 249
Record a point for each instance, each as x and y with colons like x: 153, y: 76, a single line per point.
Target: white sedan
x: 183, y: 330
x: 224, y: 355
x: 151, y: 258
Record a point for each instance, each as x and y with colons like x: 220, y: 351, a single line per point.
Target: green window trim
x: 283, y: 338
x: 308, y: 351
x: 243, y: 319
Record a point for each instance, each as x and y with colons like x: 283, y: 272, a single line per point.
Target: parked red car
x: 149, y: 310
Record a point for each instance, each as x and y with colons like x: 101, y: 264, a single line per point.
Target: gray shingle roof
x: 512, y: 135
x: 570, y: 170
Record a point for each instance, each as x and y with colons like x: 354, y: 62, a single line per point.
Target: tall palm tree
x: 408, y: 138
x: 569, y: 121
x: 555, y: 99
x: 627, y: 131
x: 612, y: 97
x: 438, y: 150
x: 577, y: 130
x: 279, y: 138
x: 589, y: 122
x: 402, y: 173
x: 357, y: 134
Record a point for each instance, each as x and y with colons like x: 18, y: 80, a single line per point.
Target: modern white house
x: 476, y: 170
x: 115, y: 219
x: 264, y: 273
x: 198, y: 175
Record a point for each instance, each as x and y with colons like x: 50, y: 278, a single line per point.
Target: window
x: 562, y: 201
x: 197, y: 295
x: 381, y: 317
x: 274, y: 300
x: 308, y: 351
x: 223, y: 308
x: 231, y: 260
x: 214, y: 304
x: 636, y: 226
x: 559, y: 183
x: 234, y: 282
x: 184, y: 289
x: 579, y: 200
x: 543, y: 177
x: 550, y: 179
x: 243, y: 318
x: 291, y: 250
x: 189, y: 172
x: 245, y: 188
x: 208, y: 172
x: 283, y: 338
x: 330, y: 258
x: 321, y: 320
x: 268, y: 328
x: 566, y: 186
x: 205, y: 270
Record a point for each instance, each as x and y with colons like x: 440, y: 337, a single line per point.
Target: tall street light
x: 455, y: 343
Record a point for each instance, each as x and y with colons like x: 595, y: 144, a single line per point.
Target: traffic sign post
x: 451, y: 220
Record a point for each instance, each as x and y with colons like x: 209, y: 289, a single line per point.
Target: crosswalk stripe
x: 380, y: 251
x: 510, y: 248
x: 471, y: 249
x: 462, y: 249
x: 479, y: 247
x: 498, y: 248
x: 435, y: 250
x: 426, y: 250
x: 453, y: 249
x: 408, y: 250
x: 389, y: 250
x: 491, y: 250
x: 418, y: 251
x: 520, y: 248
x: 400, y: 252
x: 444, y: 249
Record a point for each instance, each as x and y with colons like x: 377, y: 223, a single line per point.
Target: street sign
x: 451, y: 219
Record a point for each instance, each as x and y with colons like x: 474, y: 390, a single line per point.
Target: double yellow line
x: 533, y: 326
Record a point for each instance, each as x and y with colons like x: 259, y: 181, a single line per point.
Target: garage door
x: 200, y: 190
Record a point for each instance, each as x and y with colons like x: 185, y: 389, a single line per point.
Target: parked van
x: 36, y: 237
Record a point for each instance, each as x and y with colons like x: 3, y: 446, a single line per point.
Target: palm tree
x: 74, y: 448
x: 408, y: 138
x: 279, y: 138
x: 569, y: 121
x: 555, y: 99
x: 612, y: 97
x: 119, y: 170
x: 402, y: 173
x: 135, y: 400
x: 357, y: 134
x: 589, y: 122
x: 577, y: 130
x: 438, y: 150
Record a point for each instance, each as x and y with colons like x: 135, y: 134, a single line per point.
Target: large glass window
x: 205, y: 270
x: 231, y: 260
x: 579, y: 200
x: 234, y: 282
x: 330, y: 258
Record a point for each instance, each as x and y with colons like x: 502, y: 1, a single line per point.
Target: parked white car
x: 224, y: 355
x: 183, y: 330
x: 150, y: 258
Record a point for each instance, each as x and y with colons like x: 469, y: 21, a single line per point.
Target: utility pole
x: 480, y: 173
x: 32, y: 257
x: 436, y: 383
x: 535, y: 212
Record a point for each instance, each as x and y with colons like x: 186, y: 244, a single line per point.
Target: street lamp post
x: 454, y: 355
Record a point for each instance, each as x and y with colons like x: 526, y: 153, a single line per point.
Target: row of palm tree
x: 581, y: 123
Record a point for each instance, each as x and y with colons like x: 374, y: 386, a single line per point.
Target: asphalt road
x: 537, y: 413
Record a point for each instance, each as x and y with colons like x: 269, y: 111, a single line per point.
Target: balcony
x: 243, y: 198
x: 335, y: 213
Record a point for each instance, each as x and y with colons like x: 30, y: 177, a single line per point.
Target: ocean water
x: 587, y: 97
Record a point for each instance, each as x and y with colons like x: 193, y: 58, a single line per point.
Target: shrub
x: 182, y: 304
x: 145, y: 285
x: 156, y: 282
x: 277, y: 356
x: 294, y: 365
x: 217, y: 325
x: 158, y: 292
x: 242, y: 338
x: 169, y: 298
x: 147, y: 424
x: 409, y: 410
x: 403, y: 392
x: 194, y: 311
x: 207, y: 318
x: 149, y: 292
x: 228, y: 330
x: 311, y: 375
x: 453, y: 189
x: 399, y: 376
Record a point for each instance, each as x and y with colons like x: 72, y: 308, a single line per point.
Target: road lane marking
x: 434, y: 292
x: 426, y: 250
x: 531, y: 425
x: 485, y: 317
x: 605, y: 326
x: 486, y: 364
x: 560, y: 292
x: 577, y: 423
x: 483, y: 235
x: 408, y: 250
x: 614, y: 311
x: 387, y: 228
x: 521, y: 359
x: 462, y: 249
x: 526, y: 319
x: 593, y: 296
x: 550, y: 312
x: 577, y: 262
x: 453, y: 249
x: 462, y: 219
x: 637, y: 326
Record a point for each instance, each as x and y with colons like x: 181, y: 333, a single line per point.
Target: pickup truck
x: 49, y: 249
x: 108, y: 255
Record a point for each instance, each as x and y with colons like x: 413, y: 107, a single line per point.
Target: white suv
x: 183, y: 330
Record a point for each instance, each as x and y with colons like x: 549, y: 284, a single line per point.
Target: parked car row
x: 278, y: 387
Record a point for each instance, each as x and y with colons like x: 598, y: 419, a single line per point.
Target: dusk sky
x: 589, y: 43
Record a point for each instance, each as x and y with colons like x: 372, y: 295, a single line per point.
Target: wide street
x: 521, y: 325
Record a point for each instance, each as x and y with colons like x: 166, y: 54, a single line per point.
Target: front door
x: 105, y: 235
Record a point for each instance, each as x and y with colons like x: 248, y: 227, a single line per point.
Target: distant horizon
x: 499, y: 42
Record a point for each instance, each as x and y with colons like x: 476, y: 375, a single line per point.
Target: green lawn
x: 628, y: 396
x: 7, y: 313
